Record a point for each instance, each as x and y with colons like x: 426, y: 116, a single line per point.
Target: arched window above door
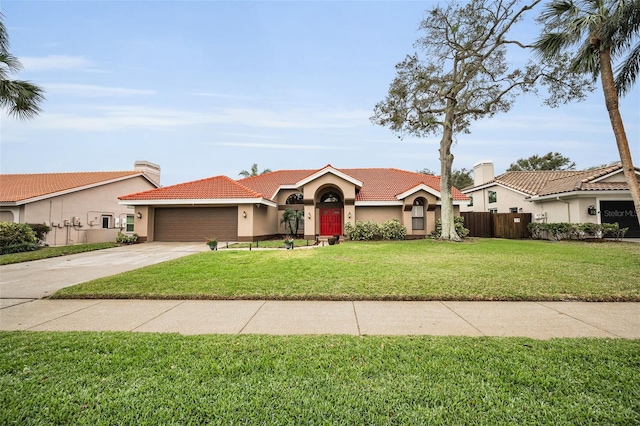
x: 296, y: 198
x: 330, y: 197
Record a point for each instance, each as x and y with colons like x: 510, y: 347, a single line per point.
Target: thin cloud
x: 57, y: 63
x: 279, y: 146
x: 93, y: 91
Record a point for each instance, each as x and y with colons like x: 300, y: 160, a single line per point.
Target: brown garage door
x: 196, y: 224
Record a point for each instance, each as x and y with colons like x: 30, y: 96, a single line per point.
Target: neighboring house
x: 251, y: 209
x: 599, y: 195
x: 79, y: 207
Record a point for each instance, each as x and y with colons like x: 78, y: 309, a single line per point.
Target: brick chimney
x: 150, y: 170
x: 482, y: 172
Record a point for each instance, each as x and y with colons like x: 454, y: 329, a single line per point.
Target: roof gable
x: 329, y: 169
x: 24, y: 188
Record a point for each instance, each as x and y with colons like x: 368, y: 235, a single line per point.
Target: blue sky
x: 206, y: 88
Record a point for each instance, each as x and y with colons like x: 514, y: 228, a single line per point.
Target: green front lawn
x: 133, y: 378
x: 480, y: 269
x: 47, y: 252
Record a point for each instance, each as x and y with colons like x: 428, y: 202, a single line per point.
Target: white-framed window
x: 417, y: 214
x: 493, y: 197
x: 129, y: 223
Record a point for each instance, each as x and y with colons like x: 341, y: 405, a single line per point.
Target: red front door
x: 330, y: 221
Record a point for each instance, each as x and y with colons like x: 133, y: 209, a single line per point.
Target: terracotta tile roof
x: 379, y: 184
x: 216, y: 187
x: 582, y: 181
x: 269, y: 183
x: 543, y: 183
x: 529, y: 182
x: 19, y: 187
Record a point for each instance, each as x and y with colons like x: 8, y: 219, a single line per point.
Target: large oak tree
x: 462, y: 75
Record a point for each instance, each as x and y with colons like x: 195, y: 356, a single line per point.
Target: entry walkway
x: 538, y: 320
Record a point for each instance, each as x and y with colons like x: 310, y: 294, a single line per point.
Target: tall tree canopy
x: 597, y: 33
x: 21, y: 98
x: 464, y: 76
x: 253, y: 171
x: 549, y: 161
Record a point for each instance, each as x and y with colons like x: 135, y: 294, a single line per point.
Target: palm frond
x: 22, y: 98
x: 627, y: 72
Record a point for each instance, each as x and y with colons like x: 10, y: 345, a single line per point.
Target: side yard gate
x: 497, y: 225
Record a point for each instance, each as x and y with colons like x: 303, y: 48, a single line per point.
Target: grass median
x: 47, y: 252
x: 479, y: 269
x: 137, y: 378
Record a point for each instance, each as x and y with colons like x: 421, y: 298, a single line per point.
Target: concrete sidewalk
x: 538, y: 320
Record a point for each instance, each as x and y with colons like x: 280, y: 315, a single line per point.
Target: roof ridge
x: 72, y: 173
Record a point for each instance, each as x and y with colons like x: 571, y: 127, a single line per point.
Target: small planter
x: 332, y: 241
x: 288, y: 245
x: 213, y: 247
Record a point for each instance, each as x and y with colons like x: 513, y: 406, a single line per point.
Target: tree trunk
x: 611, y: 101
x: 446, y: 162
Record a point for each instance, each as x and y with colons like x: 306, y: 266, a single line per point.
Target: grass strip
x: 482, y: 269
x: 135, y: 378
x: 279, y: 243
x: 47, y: 252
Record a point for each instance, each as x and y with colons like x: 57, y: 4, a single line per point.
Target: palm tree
x: 21, y: 98
x: 602, y: 31
x: 254, y: 171
x: 292, y: 219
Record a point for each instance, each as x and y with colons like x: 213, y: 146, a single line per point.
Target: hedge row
x: 367, y: 230
x: 18, y: 248
x: 575, y: 231
x: 14, y: 234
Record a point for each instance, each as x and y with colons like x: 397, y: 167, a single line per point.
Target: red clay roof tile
x: 378, y: 185
x: 216, y: 187
x: 20, y: 187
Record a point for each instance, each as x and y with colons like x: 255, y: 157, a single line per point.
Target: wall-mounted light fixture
x: 309, y: 215
x: 139, y: 215
x: 244, y: 214
x: 349, y: 215
x: 591, y: 210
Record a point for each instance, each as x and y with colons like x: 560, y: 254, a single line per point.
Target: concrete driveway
x: 42, y: 278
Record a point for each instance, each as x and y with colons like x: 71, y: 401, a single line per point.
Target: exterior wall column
x: 310, y: 220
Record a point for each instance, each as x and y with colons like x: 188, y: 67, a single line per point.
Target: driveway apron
x: 42, y: 278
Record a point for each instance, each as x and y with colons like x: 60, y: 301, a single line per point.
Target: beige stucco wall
x: 506, y: 199
x: 313, y: 190
x: 347, y: 188
x: 429, y: 216
x: 574, y: 210
x: 265, y: 220
x: 378, y: 214
x: 88, y: 205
